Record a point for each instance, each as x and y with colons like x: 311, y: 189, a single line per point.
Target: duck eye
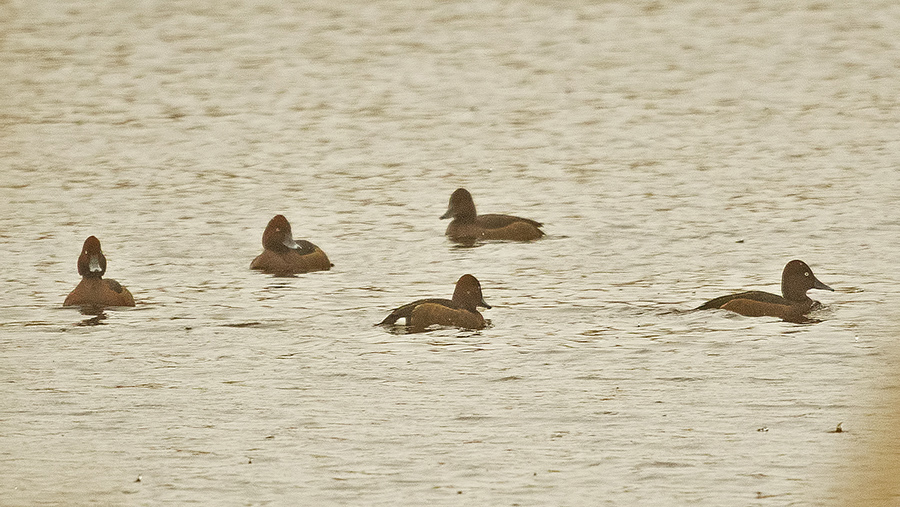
x: 806, y: 274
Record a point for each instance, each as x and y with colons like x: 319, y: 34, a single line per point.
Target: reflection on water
x: 673, y: 152
x: 98, y: 317
x: 401, y: 329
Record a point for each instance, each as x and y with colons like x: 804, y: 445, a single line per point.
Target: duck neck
x: 466, y: 215
x: 795, y: 294
x: 464, y: 301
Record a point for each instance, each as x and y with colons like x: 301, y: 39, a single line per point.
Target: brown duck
x: 791, y: 306
x: 461, y: 311
x: 468, y: 226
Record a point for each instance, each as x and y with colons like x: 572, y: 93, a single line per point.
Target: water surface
x: 675, y: 151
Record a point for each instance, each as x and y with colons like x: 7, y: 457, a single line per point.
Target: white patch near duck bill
x: 94, y: 264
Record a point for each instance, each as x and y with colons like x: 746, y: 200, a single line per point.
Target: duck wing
x: 494, y: 221
x: 405, y: 311
x: 114, y: 285
x: 304, y: 247
x: 754, y: 295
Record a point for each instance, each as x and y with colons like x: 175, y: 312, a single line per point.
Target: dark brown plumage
x: 93, y: 290
x: 792, y: 306
x: 468, y: 226
x: 461, y: 311
x: 282, y: 256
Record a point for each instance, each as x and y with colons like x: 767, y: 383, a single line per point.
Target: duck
x: 468, y: 227
x: 93, y: 290
x: 460, y: 312
x: 792, y: 306
x: 282, y: 256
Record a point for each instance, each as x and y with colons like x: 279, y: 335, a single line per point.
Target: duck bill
x: 447, y: 215
x: 819, y: 285
x: 94, y: 264
x: 483, y: 304
x: 290, y: 243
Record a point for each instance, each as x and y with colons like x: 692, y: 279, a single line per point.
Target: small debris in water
x: 838, y: 429
x: 763, y: 429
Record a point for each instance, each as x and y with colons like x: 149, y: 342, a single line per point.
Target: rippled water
x: 675, y: 152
